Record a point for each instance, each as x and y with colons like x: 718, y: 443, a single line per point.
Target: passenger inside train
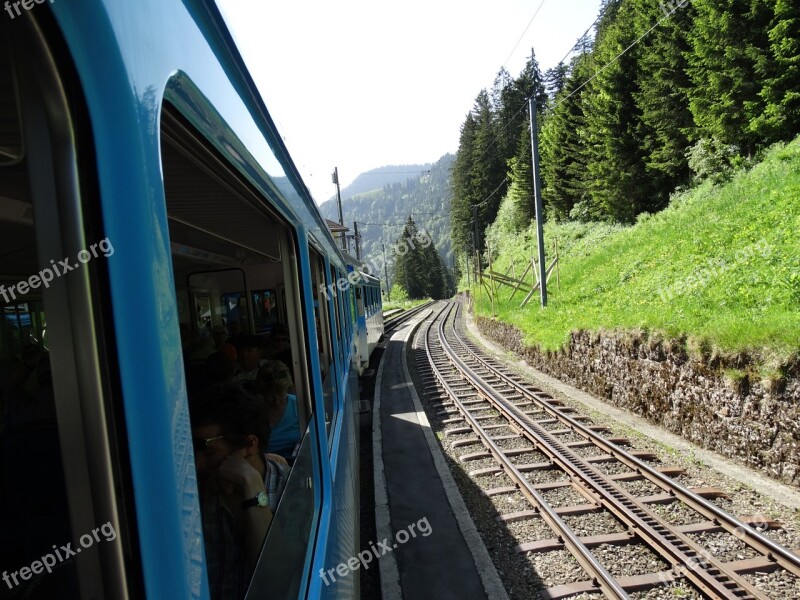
x: 240, y: 484
x: 250, y: 358
x: 274, y: 382
x: 241, y: 274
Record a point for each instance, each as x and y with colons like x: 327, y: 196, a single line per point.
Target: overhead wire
x: 523, y: 34
x: 618, y: 56
x: 589, y: 80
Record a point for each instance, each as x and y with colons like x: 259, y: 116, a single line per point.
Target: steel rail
x: 688, y: 558
x: 396, y: 321
x: 784, y: 557
x: 603, y: 579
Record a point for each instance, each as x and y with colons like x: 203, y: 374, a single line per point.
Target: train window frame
x: 307, y: 469
x: 324, y: 335
x: 62, y: 168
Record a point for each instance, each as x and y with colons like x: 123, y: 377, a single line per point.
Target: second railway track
x: 564, y: 468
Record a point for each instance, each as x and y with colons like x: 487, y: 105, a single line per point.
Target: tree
x: 418, y: 268
x: 729, y: 39
x: 555, y: 78
x: 667, y: 125
x: 780, y: 71
x: 462, y: 194
x: 563, y: 150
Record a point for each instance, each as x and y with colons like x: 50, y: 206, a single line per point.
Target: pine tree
x: 488, y: 177
x: 617, y: 171
x: 729, y: 40
x: 663, y: 99
x: 555, y: 78
x: 562, y: 149
x: 521, y: 191
x: 418, y: 269
x: 780, y: 71
x: 462, y: 190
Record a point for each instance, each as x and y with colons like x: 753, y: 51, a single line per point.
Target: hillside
x: 718, y: 270
x: 375, y: 179
x: 382, y: 210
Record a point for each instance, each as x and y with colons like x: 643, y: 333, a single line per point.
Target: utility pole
x: 358, y: 240
x: 386, y: 275
x: 335, y: 178
x: 455, y: 280
x: 477, y: 234
x: 537, y: 192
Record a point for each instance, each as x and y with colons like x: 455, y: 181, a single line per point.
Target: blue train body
x: 138, y: 124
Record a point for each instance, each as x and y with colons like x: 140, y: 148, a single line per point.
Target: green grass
x: 405, y: 304
x: 718, y: 269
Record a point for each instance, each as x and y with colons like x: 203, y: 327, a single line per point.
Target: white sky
x: 359, y: 84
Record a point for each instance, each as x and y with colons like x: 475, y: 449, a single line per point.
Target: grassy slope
x: 656, y: 275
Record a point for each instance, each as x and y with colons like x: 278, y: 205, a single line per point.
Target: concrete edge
x: 486, y: 570
x: 390, y: 575
x: 778, y: 492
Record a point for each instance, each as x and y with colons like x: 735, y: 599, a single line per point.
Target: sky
x: 359, y: 85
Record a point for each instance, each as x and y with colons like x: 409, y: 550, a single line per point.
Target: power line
x: 585, y: 33
x: 525, y: 103
x: 523, y: 34
x: 618, y: 56
x: 485, y: 200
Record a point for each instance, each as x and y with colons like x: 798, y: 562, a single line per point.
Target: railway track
x: 520, y: 433
x: 396, y: 319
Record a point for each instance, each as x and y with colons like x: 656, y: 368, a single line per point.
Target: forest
x: 389, y: 204
x: 660, y: 98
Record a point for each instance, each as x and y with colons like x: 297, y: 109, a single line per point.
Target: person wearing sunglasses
x: 239, y: 484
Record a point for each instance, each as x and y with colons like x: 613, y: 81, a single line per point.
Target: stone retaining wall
x: 744, y: 421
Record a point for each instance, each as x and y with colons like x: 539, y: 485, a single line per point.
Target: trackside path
x: 430, y: 548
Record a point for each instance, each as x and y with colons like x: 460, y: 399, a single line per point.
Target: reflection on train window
x: 265, y: 310
x: 239, y: 300
x: 324, y: 339
x: 34, y: 510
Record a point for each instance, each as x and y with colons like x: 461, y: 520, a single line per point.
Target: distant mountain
x: 375, y: 179
x: 382, y: 199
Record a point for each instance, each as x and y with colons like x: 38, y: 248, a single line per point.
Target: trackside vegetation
x: 717, y: 270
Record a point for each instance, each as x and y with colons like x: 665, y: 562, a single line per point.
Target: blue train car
x: 146, y: 198
x: 368, y: 311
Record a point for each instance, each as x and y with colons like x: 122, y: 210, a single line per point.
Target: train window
x: 32, y: 516
x: 352, y: 296
x: 324, y: 337
x: 235, y: 265
x: 337, y: 313
x: 59, y: 408
x: 263, y: 305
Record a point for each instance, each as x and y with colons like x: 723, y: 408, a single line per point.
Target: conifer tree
x: 462, y: 191
x: 617, y: 173
x: 663, y: 98
x: 729, y: 39
x: 488, y: 176
x: 563, y: 151
x: 418, y: 268
x: 780, y: 71
x: 555, y: 78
